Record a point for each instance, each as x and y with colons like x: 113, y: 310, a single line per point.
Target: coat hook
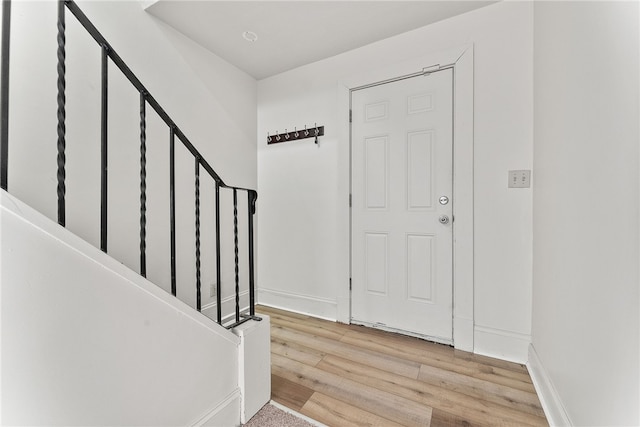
x: 317, y: 132
x: 268, y: 137
x: 277, y: 136
x: 306, y: 132
x: 296, y: 134
x: 286, y: 136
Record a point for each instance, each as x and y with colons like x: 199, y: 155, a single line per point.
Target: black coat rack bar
x: 313, y: 132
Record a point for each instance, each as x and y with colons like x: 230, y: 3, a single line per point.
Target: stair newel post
x: 198, y: 282
x: 143, y: 185
x: 4, y: 93
x: 252, y: 196
x: 61, y: 158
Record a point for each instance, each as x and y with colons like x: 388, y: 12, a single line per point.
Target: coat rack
x: 313, y: 132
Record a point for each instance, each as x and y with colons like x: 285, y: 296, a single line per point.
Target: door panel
x: 376, y: 255
x: 402, y: 163
x: 420, y: 170
x: 376, y: 168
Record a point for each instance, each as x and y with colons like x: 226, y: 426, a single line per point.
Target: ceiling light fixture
x: 250, y: 36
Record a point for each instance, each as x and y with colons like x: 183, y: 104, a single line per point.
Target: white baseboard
x: 505, y: 345
x: 228, y: 307
x: 225, y: 413
x: 343, y: 314
x: 549, y: 398
x: 322, y: 308
x: 463, y: 334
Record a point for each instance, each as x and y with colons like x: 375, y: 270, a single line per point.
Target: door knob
x: 444, y: 200
x: 444, y: 219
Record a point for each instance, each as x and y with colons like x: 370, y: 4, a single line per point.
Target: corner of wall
x: 501, y: 344
x: 146, y: 4
x: 223, y: 414
x: 549, y: 398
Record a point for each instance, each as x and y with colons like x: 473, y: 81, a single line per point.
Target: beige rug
x: 273, y: 416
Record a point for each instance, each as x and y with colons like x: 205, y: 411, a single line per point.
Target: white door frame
x: 461, y: 60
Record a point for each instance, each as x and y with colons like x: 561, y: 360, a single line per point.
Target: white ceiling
x: 295, y: 33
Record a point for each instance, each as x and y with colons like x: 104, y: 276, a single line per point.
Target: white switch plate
x: 212, y: 290
x: 520, y: 179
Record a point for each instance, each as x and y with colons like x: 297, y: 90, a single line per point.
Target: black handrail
x: 146, y: 99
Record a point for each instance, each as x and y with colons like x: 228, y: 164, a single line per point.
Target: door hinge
x: 350, y: 285
x: 350, y: 200
x: 350, y: 116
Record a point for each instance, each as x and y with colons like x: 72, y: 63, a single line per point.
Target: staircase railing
x: 146, y: 99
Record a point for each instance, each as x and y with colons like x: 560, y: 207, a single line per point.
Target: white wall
x: 86, y: 341
x: 213, y: 102
x: 303, y: 214
x: 586, y: 209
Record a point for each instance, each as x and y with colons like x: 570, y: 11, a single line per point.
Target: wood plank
x: 401, y: 340
x: 288, y: 393
x: 446, y: 350
x: 517, y: 380
x: 370, y: 399
x: 423, y: 345
x: 333, y: 412
x: 317, y: 328
x: 382, y: 361
x: 416, y: 347
x: 291, y: 350
x: 482, y: 412
x: 440, y: 418
x: 491, y: 361
x: 482, y: 389
x: 303, y: 322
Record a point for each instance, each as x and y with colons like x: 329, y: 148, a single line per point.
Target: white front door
x: 402, y: 181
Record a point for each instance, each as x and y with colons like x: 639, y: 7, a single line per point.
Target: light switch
x: 520, y: 179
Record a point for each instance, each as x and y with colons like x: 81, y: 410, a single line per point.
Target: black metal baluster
x: 172, y: 205
x: 103, y: 156
x: 218, y: 267
x: 4, y: 94
x: 235, y: 234
x: 198, y: 294
x: 143, y: 185
x: 61, y: 174
x: 252, y: 196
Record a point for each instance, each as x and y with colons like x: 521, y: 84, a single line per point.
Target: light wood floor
x: 347, y: 375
